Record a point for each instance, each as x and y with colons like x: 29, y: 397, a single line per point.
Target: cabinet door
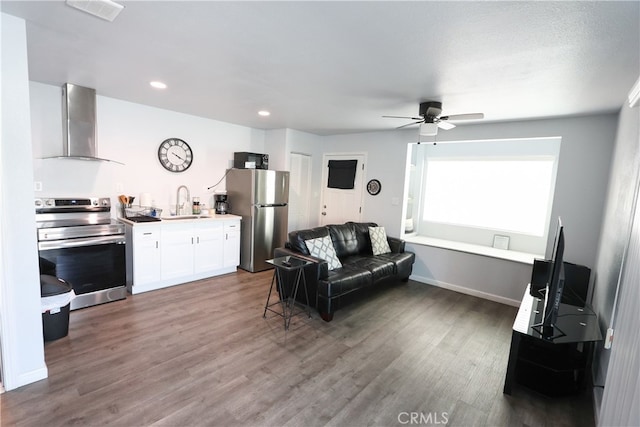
x: 177, y: 250
x: 207, y: 246
x: 146, y: 255
x: 231, y: 243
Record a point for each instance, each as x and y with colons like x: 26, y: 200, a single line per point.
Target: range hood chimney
x: 79, y: 123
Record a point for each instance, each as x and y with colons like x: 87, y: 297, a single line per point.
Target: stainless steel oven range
x: 86, y: 245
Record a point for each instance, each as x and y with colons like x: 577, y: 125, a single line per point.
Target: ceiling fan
x: 430, y: 119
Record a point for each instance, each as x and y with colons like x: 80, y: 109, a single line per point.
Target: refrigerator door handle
x: 274, y: 205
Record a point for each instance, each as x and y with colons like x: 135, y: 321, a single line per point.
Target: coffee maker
x: 221, y: 205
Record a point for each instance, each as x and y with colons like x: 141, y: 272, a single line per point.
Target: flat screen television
x: 555, y: 285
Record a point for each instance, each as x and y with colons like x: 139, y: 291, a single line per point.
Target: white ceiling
x: 337, y: 67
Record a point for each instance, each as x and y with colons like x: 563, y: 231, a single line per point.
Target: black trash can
x: 55, y: 321
x: 47, y: 267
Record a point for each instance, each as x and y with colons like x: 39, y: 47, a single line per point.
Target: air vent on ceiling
x: 105, y: 9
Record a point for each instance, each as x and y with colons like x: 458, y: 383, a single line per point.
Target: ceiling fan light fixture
x: 430, y: 119
x: 445, y: 125
x: 428, y: 129
x: 158, y: 84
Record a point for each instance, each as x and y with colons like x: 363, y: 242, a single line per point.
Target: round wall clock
x: 175, y: 155
x: 374, y: 187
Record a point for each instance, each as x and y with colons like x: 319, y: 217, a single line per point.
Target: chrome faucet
x: 179, y: 206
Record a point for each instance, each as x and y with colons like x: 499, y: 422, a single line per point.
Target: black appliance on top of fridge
x: 261, y: 198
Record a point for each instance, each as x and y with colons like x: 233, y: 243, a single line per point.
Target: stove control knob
x: 38, y: 203
x: 105, y: 202
x: 94, y: 202
x: 50, y: 202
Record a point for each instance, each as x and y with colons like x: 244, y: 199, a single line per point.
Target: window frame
x: 514, y: 148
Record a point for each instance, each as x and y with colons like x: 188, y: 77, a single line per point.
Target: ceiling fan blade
x: 409, y: 124
x: 402, y: 117
x: 445, y: 125
x: 468, y: 116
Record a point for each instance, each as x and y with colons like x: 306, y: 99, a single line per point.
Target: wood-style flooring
x: 201, y: 354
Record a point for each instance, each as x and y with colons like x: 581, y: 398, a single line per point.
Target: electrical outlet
x: 609, y: 339
x: 119, y: 187
x: 37, y: 186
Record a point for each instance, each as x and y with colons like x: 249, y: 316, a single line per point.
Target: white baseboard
x: 26, y: 378
x: 467, y: 291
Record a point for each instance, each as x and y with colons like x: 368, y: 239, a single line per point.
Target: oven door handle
x: 85, y: 241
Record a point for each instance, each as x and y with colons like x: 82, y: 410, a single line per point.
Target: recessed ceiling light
x: 105, y: 9
x: 264, y: 113
x: 158, y: 85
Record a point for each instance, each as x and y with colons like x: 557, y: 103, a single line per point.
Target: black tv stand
x: 552, y: 362
x: 548, y: 332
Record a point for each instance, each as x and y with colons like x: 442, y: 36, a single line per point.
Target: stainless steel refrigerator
x: 261, y: 198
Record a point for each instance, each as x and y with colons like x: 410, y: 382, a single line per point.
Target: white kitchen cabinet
x: 190, y: 248
x: 208, y: 247
x: 177, y: 250
x: 172, y: 252
x: 232, y: 243
x: 143, y: 263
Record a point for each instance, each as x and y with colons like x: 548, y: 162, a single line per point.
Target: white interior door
x: 342, y: 205
x: 299, y: 191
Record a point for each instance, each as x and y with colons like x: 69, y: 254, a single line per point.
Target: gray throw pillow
x: 379, y: 243
x: 322, y: 248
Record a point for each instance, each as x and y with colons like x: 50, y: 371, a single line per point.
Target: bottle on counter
x: 196, y: 205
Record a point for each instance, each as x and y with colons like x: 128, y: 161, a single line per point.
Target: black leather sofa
x: 361, y: 271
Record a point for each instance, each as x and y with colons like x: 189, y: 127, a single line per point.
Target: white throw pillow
x: 379, y: 243
x: 322, y: 248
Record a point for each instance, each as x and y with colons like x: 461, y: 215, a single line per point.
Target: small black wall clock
x: 374, y: 187
x: 175, y: 155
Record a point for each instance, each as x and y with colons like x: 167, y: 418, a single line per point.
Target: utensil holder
x: 124, y: 207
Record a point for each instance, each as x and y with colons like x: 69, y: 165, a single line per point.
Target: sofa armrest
x: 322, y: 265
x: 396, y: 245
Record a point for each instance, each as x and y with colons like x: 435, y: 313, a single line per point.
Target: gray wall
x: 386, y: 161
x: 622, y: 387
x: 616, y: 227
x: 583, y: 171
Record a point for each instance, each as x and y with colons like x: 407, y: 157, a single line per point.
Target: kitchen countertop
x: 183, y: 218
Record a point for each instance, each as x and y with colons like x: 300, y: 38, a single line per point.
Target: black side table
x: 287, y: 293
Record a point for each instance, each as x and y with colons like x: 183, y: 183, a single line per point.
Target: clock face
x: 374, y: 187
x: 175, y: 155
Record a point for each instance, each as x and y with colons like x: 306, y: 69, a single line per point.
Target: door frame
x: 325, y: 176
x: 308, y: 189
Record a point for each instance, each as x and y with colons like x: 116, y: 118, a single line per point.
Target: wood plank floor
x: 201, y: 354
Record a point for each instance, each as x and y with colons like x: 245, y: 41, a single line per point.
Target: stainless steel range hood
x: 79, y: 123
